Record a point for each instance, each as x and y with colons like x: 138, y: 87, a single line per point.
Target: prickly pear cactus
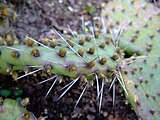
x: 64, y: 56
x: 140, y: 22
x: 11, y: 110
x: 142, y: 83
x: 97, y: 54
x: 89, y: 57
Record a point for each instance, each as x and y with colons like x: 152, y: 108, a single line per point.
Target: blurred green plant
x: 90, y: 9
x: 12, y: 110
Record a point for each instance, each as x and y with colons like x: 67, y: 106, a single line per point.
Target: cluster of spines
x: 86, y: 53
x: 80, y: 56
x: 62, y: 51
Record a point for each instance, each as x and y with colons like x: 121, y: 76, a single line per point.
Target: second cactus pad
x: 142, y: 83
x: 140, y: 22
x: 12, y: 110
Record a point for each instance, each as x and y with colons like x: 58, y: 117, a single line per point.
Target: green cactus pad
x: 12, y: 110
x: 142, y: 84
x: 71, y: 57
x: 140, y: 22
x: 93, y: 53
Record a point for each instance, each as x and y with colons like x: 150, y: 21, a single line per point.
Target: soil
x: 36, y: 17
x: 87, y: 109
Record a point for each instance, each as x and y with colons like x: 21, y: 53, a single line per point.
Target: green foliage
x: 91, y: 9
x: 17, y: 92
x: 5, y: 93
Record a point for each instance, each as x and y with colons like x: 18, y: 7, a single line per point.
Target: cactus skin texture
x: 142, y: 84
x: 140, y: 22
x: 86, y: 58
x: 90, y: 57
x: 12, y: 110
x: 96, y: 53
